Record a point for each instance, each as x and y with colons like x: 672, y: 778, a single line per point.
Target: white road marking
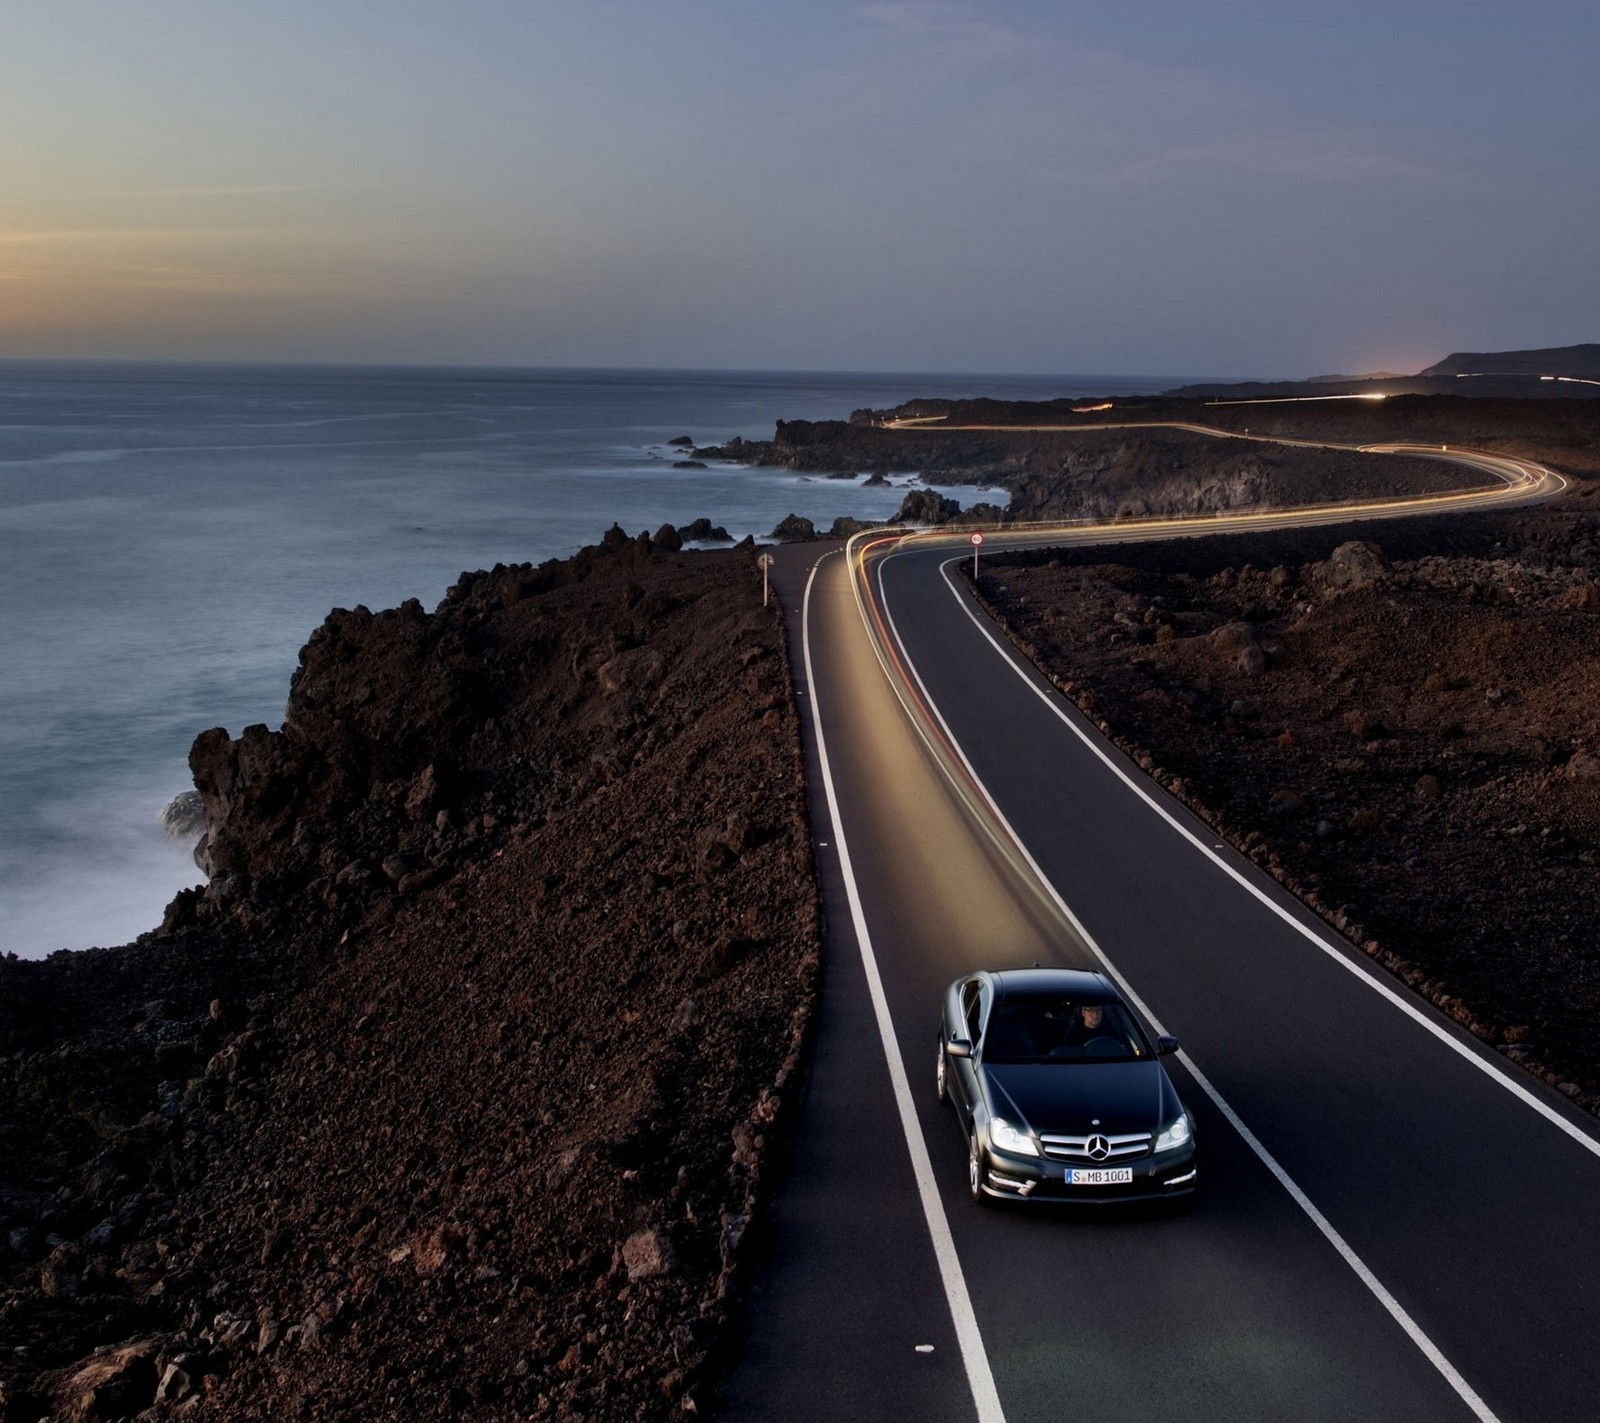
x: 1396, y: 1311
x: 1490, y: 1067
x: 980, y: 1378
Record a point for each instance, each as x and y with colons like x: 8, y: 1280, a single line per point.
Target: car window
x: 1063, y: 1030
x: 971, y: 1009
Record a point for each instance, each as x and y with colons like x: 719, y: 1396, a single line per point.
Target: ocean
x: 171, y: 534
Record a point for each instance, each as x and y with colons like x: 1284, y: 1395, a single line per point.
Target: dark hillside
x: 450, y: 1097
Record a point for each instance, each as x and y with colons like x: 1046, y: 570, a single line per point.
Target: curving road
x: 1391, y: 1224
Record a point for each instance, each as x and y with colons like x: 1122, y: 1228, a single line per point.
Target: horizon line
x: 420, y: 365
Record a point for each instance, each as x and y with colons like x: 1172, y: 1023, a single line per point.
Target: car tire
x: 976, y: 1165
x: 941, y: 1086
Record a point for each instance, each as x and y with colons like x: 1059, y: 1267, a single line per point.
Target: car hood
x: 1067, y: 1097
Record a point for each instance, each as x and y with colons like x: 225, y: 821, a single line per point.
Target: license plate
x: 1099, y: 1175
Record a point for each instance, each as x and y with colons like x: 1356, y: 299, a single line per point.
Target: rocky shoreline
x: 1087, y: 473
x: 452, y: 1093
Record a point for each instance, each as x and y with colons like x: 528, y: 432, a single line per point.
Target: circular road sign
x: 765, y: 561
x: 975, y: 540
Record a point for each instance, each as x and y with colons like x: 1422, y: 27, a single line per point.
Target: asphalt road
x: 1391, y: 1223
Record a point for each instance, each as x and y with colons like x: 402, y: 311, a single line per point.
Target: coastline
x: 168, y: 535
x: 608, y: 795
x: 463, y: 1077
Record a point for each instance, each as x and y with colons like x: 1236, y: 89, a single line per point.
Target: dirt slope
x: 1397, y: 720
x: 450, y: 1097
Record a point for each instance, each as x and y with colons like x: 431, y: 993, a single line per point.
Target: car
x: 1059, y: 1093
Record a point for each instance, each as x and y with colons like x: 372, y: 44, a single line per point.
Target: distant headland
x: 1552, y: 371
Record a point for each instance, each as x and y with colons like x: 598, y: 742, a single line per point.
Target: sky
x: 1162, y: 188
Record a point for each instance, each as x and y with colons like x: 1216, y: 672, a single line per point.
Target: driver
x: 1088, y: 1023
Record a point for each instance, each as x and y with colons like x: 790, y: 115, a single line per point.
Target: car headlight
x: 1005, y: 1137
x: 1175, y: 1134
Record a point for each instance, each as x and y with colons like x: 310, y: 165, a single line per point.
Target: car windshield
x: 1059, y: 1030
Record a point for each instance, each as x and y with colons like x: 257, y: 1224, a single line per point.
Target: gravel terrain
x: 1397, y: 720
x: 452, y: 1094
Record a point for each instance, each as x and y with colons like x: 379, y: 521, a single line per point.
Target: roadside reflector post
x: 764, y: 562
x: 976, y: 540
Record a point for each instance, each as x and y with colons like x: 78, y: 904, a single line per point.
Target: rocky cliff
x: 1578, y: 361
x: 452, y: 1092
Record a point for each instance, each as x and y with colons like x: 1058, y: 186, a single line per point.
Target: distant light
x: 1090, y: 409
x: 1303, y: 399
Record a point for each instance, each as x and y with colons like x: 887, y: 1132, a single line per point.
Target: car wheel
x: 942, y: 1086
x: 975, y: 1170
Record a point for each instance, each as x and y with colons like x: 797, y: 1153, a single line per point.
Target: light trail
x: 1521, y: 481
x: 1303, y: 399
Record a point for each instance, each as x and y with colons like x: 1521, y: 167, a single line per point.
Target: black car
x: 1059, y: 1093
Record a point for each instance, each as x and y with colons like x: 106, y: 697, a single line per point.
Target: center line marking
x: 1391, y: 1305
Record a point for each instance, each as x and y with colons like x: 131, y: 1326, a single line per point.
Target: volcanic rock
x: 1355, y: 565
x: 794, y: 528
x: 440, y: 953
x: 926, y: 506
x: 1461, y: 848
x: 184, y: 817
x: 647, y: 1254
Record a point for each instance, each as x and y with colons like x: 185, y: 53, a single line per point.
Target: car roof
x: 1066, y: 982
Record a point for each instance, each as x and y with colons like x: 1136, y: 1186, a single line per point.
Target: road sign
x: 975, y: 540
x: 764, y: 562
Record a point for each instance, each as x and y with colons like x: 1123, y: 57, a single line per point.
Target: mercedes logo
x: 1098, y: 1148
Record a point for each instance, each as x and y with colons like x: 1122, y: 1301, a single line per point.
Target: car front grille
x: 1076, y: 1148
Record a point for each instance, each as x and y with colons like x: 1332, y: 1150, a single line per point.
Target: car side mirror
x: 1166, y: 1045
x: 958, y: 1047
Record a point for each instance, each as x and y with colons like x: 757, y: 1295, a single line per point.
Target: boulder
x: 1352, y: 566
x: 61, y: 1273
x: 1584, y: 766
x: 1251, y: 661
x: 116, y: 1381
x: 926, y: 506
x: 426, y: 794
x: 984, y: 513
x: 1234, y: 637
x: 648, y: 1254
x: 184, y: 816
x: 704, y: 531
x: 794, y: 528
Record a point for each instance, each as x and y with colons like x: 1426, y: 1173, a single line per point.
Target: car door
x: 975, y: 998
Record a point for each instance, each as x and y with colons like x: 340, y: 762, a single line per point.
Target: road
x: 1391, y: 1225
